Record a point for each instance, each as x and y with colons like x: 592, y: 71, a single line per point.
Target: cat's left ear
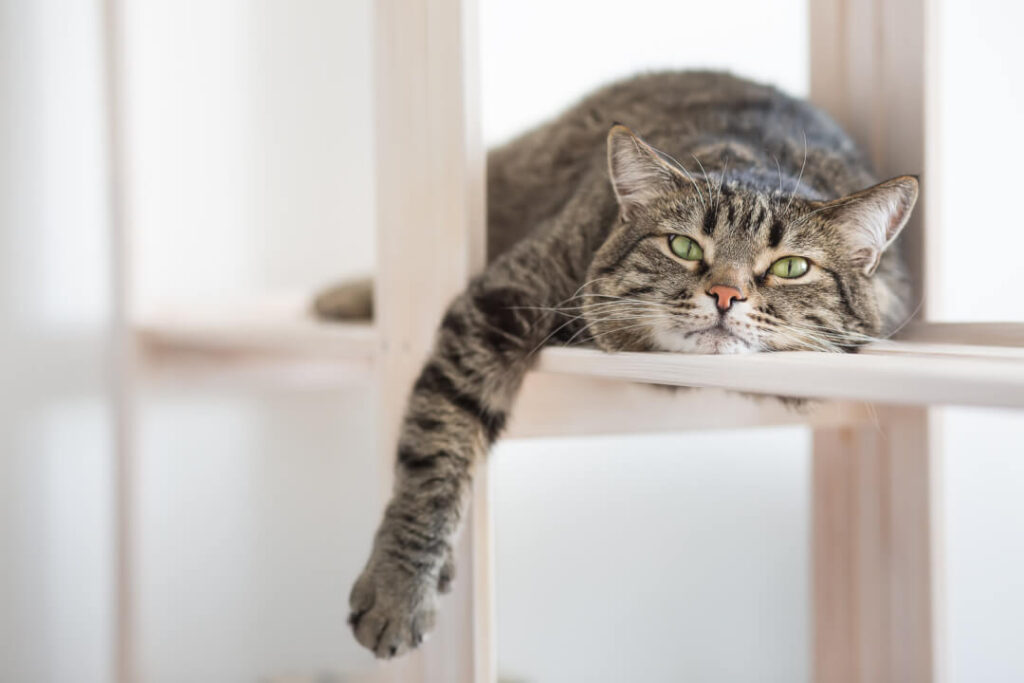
x: 639, y: 172
x: 871, y: 219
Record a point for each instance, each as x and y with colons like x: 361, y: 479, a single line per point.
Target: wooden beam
x: 872, y: 508
x: 553, y: 405
x: 877, y: 606
x: 123, y: 360
x: 985, y: 376
x: 430, y: 192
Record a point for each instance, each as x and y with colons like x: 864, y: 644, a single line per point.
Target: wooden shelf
x: 272, y: 340
x: 276, y: 326
x: 279, y: 338
x: 900, y: 373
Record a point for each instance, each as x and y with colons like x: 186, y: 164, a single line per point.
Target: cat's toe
x: 381, y: 632
x: 388, y: 619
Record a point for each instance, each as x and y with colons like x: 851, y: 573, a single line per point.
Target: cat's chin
x: 716, y: 341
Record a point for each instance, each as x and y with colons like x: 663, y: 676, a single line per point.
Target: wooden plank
x: 873, y: 548
x: 280, y: 326
x: 887, y: 372
x: 967, y: 334
x: 430, y: 192
x: 914, y: 379
x: 560, y: 405
x: 877, y: 607
x: 123, y: 353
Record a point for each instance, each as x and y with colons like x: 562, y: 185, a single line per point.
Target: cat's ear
x: 871, y: 219
x: 638, y: 171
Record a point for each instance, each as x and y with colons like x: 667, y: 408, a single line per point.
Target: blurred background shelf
x: 273, y: 340
x: 274, y: 325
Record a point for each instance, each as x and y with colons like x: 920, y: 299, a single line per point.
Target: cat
x: 734, y: 219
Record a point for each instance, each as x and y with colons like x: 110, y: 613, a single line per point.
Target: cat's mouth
x: 718, y: 328
x: 719, y: 339
x: 716, y: 339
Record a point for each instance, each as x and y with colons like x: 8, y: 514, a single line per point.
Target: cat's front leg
x: 456, y: 410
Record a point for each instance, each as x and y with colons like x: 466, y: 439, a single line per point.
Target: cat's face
x: 698, y: 267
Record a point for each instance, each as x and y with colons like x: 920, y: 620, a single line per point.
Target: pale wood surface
x: 280, y: 326
x: 980, y: 334
x: 552, y: 405
x: 873, y: 549
x: 124, y: 352
x: 430, y: 193
x: 877, y: 611
x: 904, y: 378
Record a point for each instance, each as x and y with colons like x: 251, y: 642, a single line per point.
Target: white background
x: 655, y: 558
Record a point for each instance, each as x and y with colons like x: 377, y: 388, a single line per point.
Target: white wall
x: 538, y: 57
x: 257, y: 510
x: 984, y: 511
x: 654, y: 558
x: 981, y: 100
x: 55, y: 428
x: 251, y: 146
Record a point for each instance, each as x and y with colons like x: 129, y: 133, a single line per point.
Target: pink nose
x: 725, y: 295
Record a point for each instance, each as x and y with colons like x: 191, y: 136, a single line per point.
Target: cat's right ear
x: 638, y: 171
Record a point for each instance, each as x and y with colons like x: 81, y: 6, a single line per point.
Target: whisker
x: 704, y: 172
x: 721, y: 181
x: 778, y: 167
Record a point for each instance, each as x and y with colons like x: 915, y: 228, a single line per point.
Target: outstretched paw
x: 393, y: 609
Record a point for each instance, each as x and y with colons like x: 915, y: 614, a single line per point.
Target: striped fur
x: 579, y: 221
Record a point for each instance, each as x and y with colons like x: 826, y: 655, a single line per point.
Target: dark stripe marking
x: 433, y: 380
x: 710, y: 220
x: 418, y: 461
x: 844, y: 296
x: 454, y: 323
x: 776, y: 233
x: 614, y: 266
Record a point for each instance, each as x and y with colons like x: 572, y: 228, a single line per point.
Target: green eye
x: 685, y: 248
x: 790, y: 267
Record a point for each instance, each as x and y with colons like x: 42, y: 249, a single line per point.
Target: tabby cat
x: 738, y: 222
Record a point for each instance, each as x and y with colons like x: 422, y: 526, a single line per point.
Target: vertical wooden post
x: 872, y: 508
x: 123, y: 353
x: 431, y: 228
x: 877, y: 608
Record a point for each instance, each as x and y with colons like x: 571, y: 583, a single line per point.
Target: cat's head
x: 699, y: 266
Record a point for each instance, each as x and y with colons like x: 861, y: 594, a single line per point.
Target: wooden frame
x: 877, y: 617
x: 124, y: 359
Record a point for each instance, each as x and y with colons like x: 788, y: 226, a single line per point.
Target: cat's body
x: 738, y: 223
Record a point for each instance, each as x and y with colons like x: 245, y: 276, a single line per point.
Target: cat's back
x: 532, y: 177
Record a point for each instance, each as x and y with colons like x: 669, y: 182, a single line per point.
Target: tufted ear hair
x: 871, y: 219
x: 638, y: 171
